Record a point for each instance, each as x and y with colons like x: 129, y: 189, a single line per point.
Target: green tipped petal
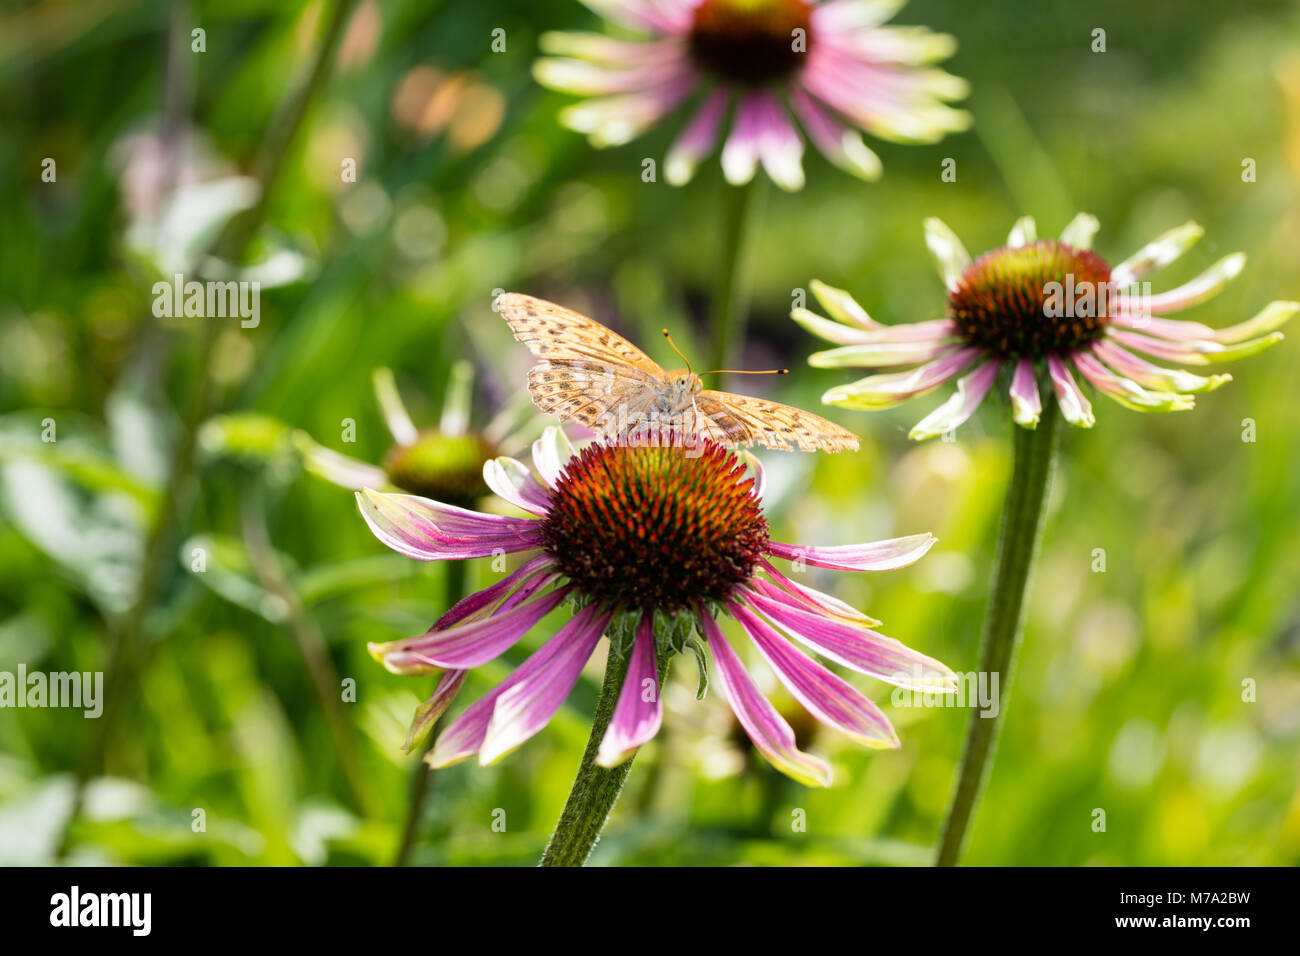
x: 1272, y: 316
x: 842, y: 306
x: 948, y: 251
x: 1080, y: 231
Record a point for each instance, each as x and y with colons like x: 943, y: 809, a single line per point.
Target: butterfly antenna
x: 741, y: 371
x: 677, y: 350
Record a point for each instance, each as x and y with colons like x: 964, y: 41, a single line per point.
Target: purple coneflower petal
x: 551, y: 453
x: 1156, y: 254
x: 779, y: 145
x: 902, y: 105
x: 338, y: 469
x: 614, y: 120
x: 971, y: 390
x: 1080, y: 230
x: 767, y: 729
x: 532, y: 700
x: 1205, y: 285
x: 1176, y: 330
x: 427, y: 714
x: 740, y: 154
x: 815, y: 599
x: 1127, y: 392
x: 841, y: 144
x: 465, y: 735
x: 662, y: 16
x: 464, y: 645
x: 893, y: 388
x: 608, y: 51
x: 589, y: 79
x: 825, y: 695
x: 1189, y: 352
x: 697, y: 139
x: 883, y: 555
x: 908, y: 46
x: 481, y: 602
x: 639, y: 711
x: 1023, y: 232
x: 1263, y: 325
x: 858, y: 648
x: 843, y: 307
x: 432, y: 531
x: 1026, y: 404
x: 393, y: 408
x: 949, y: 253
x: 1073, y: 403
x: 1154, y: 376
x: 513, y: 481
x: 881, y: 354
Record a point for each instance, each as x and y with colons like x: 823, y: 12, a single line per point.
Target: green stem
x: 595, y: 789
x: 1031, y: 479
x: 740, y: 217
x: 422, y: 775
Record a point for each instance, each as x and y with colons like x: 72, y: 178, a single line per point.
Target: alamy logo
x: 57, y: 689
x: 133, y: 910
x: 1085, y: 299
x: 210, y: 300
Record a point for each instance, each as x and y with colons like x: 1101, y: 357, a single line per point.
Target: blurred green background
x: 1129, y: 693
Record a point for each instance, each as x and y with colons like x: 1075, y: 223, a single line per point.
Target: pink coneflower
x: 649, y: 541
x: 832, y: 65
x: 1042, y: 311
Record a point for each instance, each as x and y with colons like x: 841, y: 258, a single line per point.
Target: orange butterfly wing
x: 744, y: 420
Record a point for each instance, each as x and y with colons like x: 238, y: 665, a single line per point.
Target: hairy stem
x: 1031, y: 479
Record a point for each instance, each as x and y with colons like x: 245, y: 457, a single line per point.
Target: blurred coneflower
x: 833, y: 66
x: 1042, y: 311
x: 1032, y: 314
x: 444, y: 462
x: 649, y: 542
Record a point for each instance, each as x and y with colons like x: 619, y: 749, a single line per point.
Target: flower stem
x: 422, y: 775
x: 595, y: 789
x: 1031, y: 479
x: 741, y: 214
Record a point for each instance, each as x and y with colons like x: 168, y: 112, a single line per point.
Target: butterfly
x: 599, y: 379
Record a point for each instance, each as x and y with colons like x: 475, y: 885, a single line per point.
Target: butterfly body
x: 591, y: 375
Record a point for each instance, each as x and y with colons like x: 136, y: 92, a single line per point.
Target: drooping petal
x: 465, y: 645
x: 1073, y: 403
x: 815, y: 599
x: 697, y: 139
x: 427, y: 714
x: 1155, y: 376
x: 1026, y: 404
x: 825, y: 695
x: 885, y: 555
x: 1270, y: 318
x: 858, y: 648
x: 456, y: 400
x: 338, y: 469
x: 971, y: 390
x: 673, y: 19
x: 1023, y: 232
x: 1205, y: 285
x: 1127, y: 392
x: 482, y: 602
x: 1177, y: 330
x: 740, y: 154
x: 1156, y: 254
x: 532, y: 700
x: 432, y: 531
x: 591, y: 79
x: 639, y: 711
x: 780, y: 147
x: 513, y: 481
x: 880, y: 354
x: 466, y: 734
x: 893, y: 388
x: 390, y: 402
x: 1189, y: 352
x: 1080, y: 231
x: 949, y: 253
x: 603, y: 49
x: 767, y: 729
x: 614, y: 120
x: 841, y: 144
x: 843, y: 307
x: 829, y: 329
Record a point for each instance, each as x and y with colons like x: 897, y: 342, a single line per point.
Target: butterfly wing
x: 743, y: 420
x: 608, y: 400
x: 555, y: 333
